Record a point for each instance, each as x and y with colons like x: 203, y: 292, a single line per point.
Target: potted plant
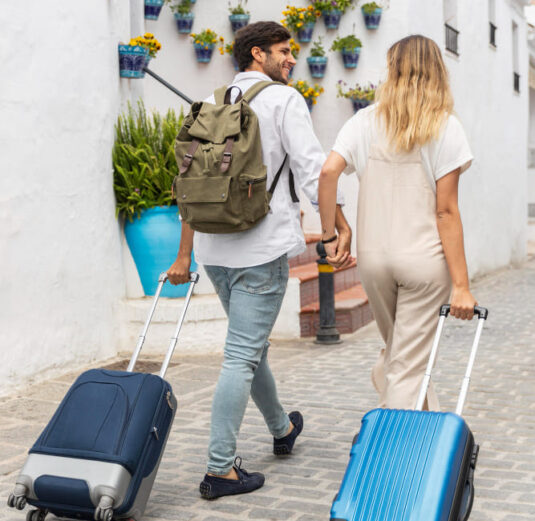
x: 332, y: 11
x: 228, y: 48
x: 204, y: 43
x: 317, y: 61
x: 152, y: 9
x: 183, y: 15
x: 360, y: 95
x: 350, y: 47
x: 144, y: 167
x: 309, y: 92
x: 238, y: 17
x: 136, y: 55
x: 372, y: 14
x: 300, y: 20
x: 295, y: 49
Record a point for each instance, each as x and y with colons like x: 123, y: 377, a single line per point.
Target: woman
x: 408, y: 151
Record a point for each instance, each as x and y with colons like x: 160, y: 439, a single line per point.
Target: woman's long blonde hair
x: 416, y: 96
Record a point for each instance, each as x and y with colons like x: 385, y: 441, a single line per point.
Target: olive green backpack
x: 221, y: 184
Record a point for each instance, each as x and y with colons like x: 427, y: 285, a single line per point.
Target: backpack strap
x: 293, y: 194
x: 259, y: 86
x: 219, y: 95
x: 188, y: 157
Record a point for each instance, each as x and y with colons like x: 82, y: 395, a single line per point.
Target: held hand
x: 462, y: 304
x: 339, y: 251
x: 178, y: 273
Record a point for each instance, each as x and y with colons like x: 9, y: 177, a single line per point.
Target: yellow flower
x: 149, y: 36
x: 221, y: 39
x: 301, y: 16
x: 197, y: 41
x: 300, y: 24
x: 305, y: 94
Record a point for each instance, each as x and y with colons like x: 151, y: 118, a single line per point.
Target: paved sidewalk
x: 331, y: 386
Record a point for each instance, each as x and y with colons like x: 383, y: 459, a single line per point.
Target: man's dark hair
x: 259, y: 34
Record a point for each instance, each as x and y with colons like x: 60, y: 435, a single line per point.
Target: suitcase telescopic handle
x: 194, y: 277
x: 482, y: 314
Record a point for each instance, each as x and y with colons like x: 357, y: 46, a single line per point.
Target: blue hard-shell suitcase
x: 412, y: 465
x: 98, y: 456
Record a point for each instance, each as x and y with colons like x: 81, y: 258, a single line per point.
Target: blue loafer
x: 212, y: 487
x: 284, y: 446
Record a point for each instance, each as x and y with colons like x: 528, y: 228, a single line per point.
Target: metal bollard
x: 327, y: 332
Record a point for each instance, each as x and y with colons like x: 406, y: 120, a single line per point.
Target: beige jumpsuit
x: 403, y: 270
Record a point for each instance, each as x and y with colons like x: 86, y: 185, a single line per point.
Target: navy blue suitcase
x: 98, y: 456
x: 412, y: 465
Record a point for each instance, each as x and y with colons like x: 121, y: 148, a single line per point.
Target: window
x: 516, y: 75
x: 492, y: 22
x: 450, y: 24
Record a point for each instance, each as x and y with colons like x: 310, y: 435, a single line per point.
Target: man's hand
x: 178, y: 273
x: 339, y: 251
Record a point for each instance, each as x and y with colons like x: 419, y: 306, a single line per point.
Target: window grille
x: 492, y: 35
x: 516, y: 81
x: 452, y: 39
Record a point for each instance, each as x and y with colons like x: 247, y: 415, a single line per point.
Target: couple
x: 408, y: 151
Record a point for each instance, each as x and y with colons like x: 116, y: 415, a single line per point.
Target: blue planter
x: 310, y: 103
x: 235, y: 64
x: 132, y: 59
x: 184, y: 22
x: 152, y: 9
x: 304, y: 35
x: 332, y: 18
x: 317, y: 66
x: 372, y: 19
x: 153, y: 240
x: 359, y: 103
x: 203, y: 52
x: 291, y: 73
x: 237, y: 21
x: 350, y: 57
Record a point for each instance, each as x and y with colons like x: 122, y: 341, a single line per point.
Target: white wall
x: 61, y: 261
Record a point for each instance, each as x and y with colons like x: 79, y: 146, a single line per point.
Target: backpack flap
x: 215, y: 123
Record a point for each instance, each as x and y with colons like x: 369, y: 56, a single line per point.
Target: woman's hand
x: 462, y: 303
x: 339, y: 251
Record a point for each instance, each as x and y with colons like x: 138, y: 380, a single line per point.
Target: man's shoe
x: 212, y: 487
x: 284, y: 446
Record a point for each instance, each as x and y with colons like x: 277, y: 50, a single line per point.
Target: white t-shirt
x: 439, y: 156
x: 285, y: 128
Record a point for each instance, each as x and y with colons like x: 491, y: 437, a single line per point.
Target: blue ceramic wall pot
x: 310, y: 103
x: 153, y: 239
x: 203, y: 52
x: 332, y: 18
x: 237, y: 21
x: 372, y: 19
x: 359, y: 103
x: 317, y: 66
x: 132, y: 59
x: 184, y: 22
x: 152, y: 9
x: 350, y: 57
x: 304, y: 35
x: 235, y: 64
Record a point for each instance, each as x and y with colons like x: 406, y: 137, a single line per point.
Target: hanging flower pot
x: 291, y: 73
x: 203, y: 52
x: 184, y: 22
x: 237, y: 21
x: 304, y: 34
x: 235, y: 64
x: 332, y: 18
x: 309, y: 92
x: 132, y: 59
x: 317, y: 66
x: 372, y: 16
x: 359, y: 103
x: 351, y: 57
x: 310, y: 103
x: 152, y: 9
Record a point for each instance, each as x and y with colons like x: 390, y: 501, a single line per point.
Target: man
x: 249, y: 269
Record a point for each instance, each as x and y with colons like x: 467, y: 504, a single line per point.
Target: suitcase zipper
x: 168, y: 398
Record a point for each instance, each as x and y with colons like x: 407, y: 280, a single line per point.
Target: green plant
x: 330, y: 5
x: 180, y: 6
x: 370, y: 7
x: 357, y: 92
x: 317, y: 48
x: 206, y: 37
x: 238, y: 9
x: 143, y: 157
x: 349, y: 43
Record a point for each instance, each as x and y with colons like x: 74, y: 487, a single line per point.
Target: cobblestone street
x: 331, y: 386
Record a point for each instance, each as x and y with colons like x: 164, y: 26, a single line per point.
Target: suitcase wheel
x: 18, y: 502
x: 101, y: 514
x: 36, y: 515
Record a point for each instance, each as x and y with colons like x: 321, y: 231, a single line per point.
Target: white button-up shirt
x: 285, y: 128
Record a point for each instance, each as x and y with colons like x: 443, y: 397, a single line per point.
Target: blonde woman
x: 408, y: 151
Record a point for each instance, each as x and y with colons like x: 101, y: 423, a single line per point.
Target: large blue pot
x: 153, y: 239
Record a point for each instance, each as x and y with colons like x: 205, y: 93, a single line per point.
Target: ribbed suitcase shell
x: 406, y: 465
x: 108, y: 433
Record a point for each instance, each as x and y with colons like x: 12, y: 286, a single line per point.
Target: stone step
x: 307, y: 274
x: 352, y: 311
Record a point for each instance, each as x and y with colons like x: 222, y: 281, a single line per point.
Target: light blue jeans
x: 252, y: 298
